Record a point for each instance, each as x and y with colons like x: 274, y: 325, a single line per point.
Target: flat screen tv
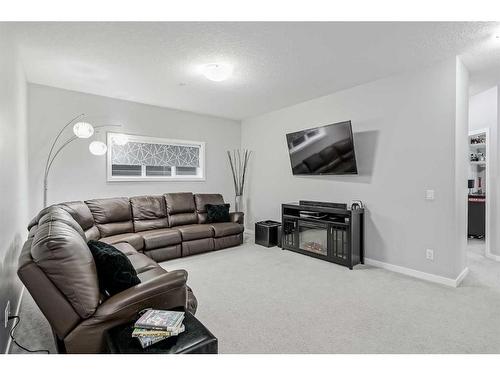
x: 326, y: 149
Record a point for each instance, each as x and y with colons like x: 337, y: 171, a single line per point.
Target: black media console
x: 324, y: 232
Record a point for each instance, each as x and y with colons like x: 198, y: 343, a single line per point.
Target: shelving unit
x: 478, y: 205
x: 477, y: 145
x: 477, y: 170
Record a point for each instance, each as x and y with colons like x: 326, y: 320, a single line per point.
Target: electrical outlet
x: 429, y: 254
x: 7, y: 314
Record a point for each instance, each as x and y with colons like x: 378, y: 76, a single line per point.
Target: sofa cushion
x: 182, y: 219
x: 237, y: 217
x: 110, y: 210
x: 111, y: 229
x: 154, y: 239
x: 134, y: 239
x: 165, y: 253
x: 181, y: 209
x: 56, y: 213
x: 197, y: 246
x: 64, y: 318
x: 179, y: 203
x: 125, y: 248
x: 35, y: 220
x: 140, y: 262
x: 63, y: 255
x: 92, y: 233
x: 149, y: 212
x: 195, y: 231
x: 151, y: 274
x: 218, y: 213
x: 111, y: 215
x: 201, y: 200
x: 228, y: 241
x: 80, y: 212
x: 114, y: 268
x: 226, y: 229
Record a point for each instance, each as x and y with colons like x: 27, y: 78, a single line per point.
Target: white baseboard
x: 419, y: 274
x: 492, y: 256
x: 462, y: 276
x: 9, y: 342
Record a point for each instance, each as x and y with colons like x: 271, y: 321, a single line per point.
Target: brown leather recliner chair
x: 58, y: 269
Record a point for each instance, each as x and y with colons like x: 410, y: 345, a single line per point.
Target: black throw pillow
x: 217, y: 213
x: 114, y: 270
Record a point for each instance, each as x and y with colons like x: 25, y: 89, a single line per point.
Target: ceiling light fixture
x: 217, y: 71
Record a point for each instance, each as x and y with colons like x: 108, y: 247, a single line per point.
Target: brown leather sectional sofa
x: 58, y: 269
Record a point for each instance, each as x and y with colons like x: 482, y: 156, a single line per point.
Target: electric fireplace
x: 331, y: 234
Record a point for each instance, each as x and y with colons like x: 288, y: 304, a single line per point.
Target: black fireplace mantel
x: 328, y: 233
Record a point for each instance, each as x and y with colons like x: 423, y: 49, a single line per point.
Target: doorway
x: 478, y: 202
x: 482, y: 160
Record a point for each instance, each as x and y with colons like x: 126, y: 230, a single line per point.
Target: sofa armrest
x: 151, y: 293
x: 166, y: 291
x: 236, y: 217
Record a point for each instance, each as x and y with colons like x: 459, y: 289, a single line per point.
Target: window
x: 126, y: 170
x: 159, y: 171
x: 139, y: 158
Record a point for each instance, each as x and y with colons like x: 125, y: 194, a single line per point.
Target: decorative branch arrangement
x: 239, y: 162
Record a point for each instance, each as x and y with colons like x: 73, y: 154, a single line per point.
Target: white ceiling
x: 275, y: 64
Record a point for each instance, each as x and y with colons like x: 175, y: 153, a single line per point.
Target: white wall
x: 13, y: 169
x: 483, y: 114
x: 483, y: 109
x: 79, y: 175
x: 405, y: 138
x: 461, y: 136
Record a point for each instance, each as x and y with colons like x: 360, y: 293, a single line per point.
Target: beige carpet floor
x: 259, y: 300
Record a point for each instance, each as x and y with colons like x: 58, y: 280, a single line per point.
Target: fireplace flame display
x: 314, y: 247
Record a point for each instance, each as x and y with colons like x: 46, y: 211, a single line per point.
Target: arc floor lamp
x: 81, y: 129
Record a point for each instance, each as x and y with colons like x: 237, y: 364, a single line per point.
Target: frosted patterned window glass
x: 147, y: 158
x: 157, y: 155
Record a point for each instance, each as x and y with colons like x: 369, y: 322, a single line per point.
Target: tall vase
x: 238, y: 203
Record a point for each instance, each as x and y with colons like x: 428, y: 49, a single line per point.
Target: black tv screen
x: 326, y: 149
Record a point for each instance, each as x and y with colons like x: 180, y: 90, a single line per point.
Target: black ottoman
x: 196, y: 339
